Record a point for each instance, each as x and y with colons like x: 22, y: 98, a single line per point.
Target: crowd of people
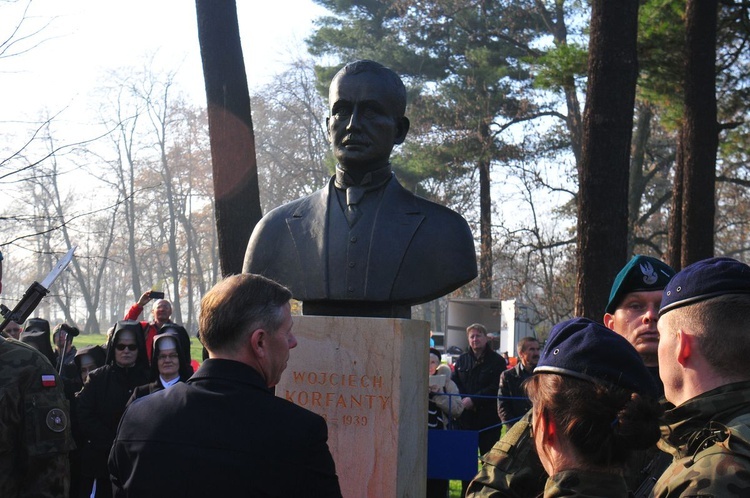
x: 98, y: 382
x: 651, y: 401
x: 100, y: 427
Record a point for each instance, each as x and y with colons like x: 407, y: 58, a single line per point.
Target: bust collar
x: 370, y: 181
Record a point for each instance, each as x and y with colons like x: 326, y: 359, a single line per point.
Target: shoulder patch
x: 57, y: 420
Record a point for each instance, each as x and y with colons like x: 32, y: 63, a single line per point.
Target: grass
x: 454, y: 489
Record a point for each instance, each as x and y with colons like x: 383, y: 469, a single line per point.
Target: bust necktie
x: 353, y: 196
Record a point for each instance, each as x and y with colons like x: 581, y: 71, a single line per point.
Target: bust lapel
x: 308, y: 228
x: 397, y: 221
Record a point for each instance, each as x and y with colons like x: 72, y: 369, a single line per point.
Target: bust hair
x: 719, y: 327
x: 476, y: 326
x: 240, y: 304
x: 389, y: 76
x: 603, y: 424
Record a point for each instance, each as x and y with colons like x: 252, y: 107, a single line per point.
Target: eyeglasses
x: 130, y: 347
x: 171, y: 356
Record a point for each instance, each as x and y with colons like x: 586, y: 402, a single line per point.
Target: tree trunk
x: 674, y: 251
x: 700, y: 132
x: 235, y: 174
x: 603, y: 171
x: 637, y: 182
x: 485, y: 231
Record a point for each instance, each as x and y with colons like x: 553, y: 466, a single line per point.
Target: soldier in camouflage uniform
x: 35, y: 433
x: 594, y: 404
x: 512, y: 468
x: 703, y: 350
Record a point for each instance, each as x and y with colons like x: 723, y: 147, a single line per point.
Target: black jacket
x: 479, y: 378
x: 221, y: 433
x: 512, y: 403
x: 101, y: 402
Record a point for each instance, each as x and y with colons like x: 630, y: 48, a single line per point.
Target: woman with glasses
x: 168, y: 365
x: 102, y: 401
x: 594, y: 404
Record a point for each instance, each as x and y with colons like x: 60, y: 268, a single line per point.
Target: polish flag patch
x: 48, y: 381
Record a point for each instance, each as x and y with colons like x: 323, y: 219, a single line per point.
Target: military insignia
x: 48, y: 381
x: 57, y: 420
x: 649, y: 274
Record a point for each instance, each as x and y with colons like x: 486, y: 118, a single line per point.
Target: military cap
x: 587, y: 350
x: 642, y: 273
x: 705, y: 279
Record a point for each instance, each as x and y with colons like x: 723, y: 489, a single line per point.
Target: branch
x: 736, y: 181
x: 514, y: 121
x: 65, y: 223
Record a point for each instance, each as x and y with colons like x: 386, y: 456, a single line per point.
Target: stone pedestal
x: 368, y: 378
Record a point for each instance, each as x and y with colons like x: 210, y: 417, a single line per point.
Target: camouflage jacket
x: 584, y: 484
x: 512, y: 469
x: 35, y: 433
x: 709, y: 438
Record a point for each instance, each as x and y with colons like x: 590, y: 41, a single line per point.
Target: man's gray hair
x: 239, y: 304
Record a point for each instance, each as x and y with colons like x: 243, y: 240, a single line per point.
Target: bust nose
x: 353, y: 123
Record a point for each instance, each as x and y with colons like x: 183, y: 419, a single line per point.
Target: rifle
x: 34, y: 294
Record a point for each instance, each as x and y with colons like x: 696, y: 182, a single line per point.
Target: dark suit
x: 221, y: 433
x: 512, y: 403
x: 418, y: 250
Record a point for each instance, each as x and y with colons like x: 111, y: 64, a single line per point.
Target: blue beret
x: 706, y: 279
x: 587, y: 350
x: 642, y: 273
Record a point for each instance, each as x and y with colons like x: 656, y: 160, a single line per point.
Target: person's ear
x: 550, y: 429
x: 685, y: 345
x: 258, y: 340
x: 402, y: 128
x: 609, y: 320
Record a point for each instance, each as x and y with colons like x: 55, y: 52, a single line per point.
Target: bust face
x: 363, y: 125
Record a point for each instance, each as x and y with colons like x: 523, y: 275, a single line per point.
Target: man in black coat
x: 512, y: 402
x: 477, y: 375
x: 223, y: 432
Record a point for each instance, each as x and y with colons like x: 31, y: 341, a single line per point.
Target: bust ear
x: 402, y: 128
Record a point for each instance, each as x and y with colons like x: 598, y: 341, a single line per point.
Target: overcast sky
x: 86, y: 38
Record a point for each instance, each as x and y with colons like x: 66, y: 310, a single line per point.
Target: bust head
x: 366, y: 118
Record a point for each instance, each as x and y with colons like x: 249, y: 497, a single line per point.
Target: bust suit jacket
x: 419, y: 250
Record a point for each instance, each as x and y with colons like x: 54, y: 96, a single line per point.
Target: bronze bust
x: 364, y: 245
